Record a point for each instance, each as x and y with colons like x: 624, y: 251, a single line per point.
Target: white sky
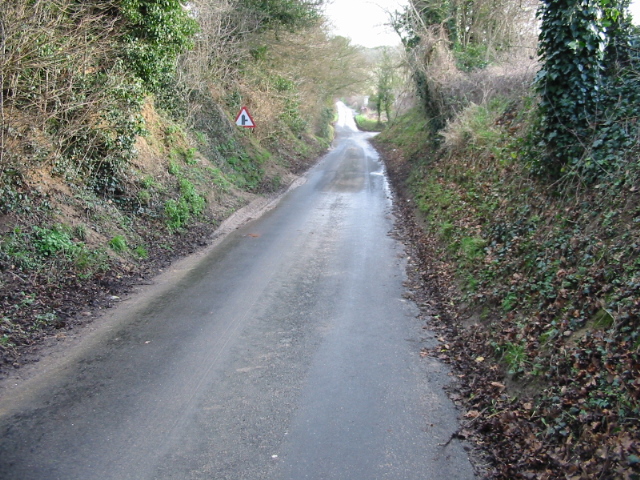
x: 634, y: 8
x: 363, y: 20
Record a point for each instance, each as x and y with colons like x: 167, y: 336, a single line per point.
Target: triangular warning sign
x: 244, y: 119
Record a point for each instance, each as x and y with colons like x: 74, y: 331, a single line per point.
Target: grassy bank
x: 541, y: 282
x: 68, y: 251
x: 367, y: 124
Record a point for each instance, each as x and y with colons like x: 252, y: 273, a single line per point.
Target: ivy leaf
x: 573, y: 45
x: 633, y: 459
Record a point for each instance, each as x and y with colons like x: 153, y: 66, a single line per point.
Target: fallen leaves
x: 576, y: 420
x: 472, y: 414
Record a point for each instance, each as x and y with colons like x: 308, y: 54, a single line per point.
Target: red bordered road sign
x: 244, y: 119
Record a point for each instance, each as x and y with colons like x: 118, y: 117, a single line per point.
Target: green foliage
x: 43, y: 320
x: 324, y: 129
x: 447, y: 231
x: 239, y: 167
x: 103, y: 150
x: 172, y: 95
x: 367, y: 124
x: 89, y: 262
x: 510, y: 301
x: 290, y: 113
x: 17, y: 248
x: 14, y: 195
x: 471, y: 57
x: 288, y: 14
x: 385, y: 80
x: 588, y: 93
x: 410, y: 134
x: 572, y: 47
x: 475, y: 29
x: 174, y: 168
x: 141, y: 252
x: 189, y: 155
x: 472, y: 248
x: 177, y: 213
x: 55, y: 240
x: 36, y: 250
x: 63, y: 77
x: 283, y: 84
x: 292, y: 116
x: 118, y: 244
x: 144, y: 197
x: 247, y: 172
x: 190, y: 204
x: 475, y: 127
x: 514, y: 355
x: 157, y: 32
x: 195, y: 201
x: 219, y: 179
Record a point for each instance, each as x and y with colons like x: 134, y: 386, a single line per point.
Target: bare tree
x: 453, y: 50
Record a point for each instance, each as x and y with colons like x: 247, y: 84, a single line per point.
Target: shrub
x: 156, y: 33
x: 190, y: 204
x: 55, y: 240
x: 588, y: 88
x: 118, y: 243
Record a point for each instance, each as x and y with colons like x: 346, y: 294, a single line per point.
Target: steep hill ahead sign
x: 244, y: 119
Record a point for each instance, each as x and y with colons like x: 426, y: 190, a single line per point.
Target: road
x: 288, y: 351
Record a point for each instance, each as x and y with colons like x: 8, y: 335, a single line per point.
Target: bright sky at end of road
x: 634, y: 8
x: 363, y: 20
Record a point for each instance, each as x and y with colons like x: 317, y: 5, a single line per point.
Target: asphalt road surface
x: 286, y: 352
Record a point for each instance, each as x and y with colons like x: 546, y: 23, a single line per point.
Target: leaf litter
x: 570, y: 423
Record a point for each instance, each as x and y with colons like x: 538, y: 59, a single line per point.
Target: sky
x: 363, y: 21
x: 635, y: 11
